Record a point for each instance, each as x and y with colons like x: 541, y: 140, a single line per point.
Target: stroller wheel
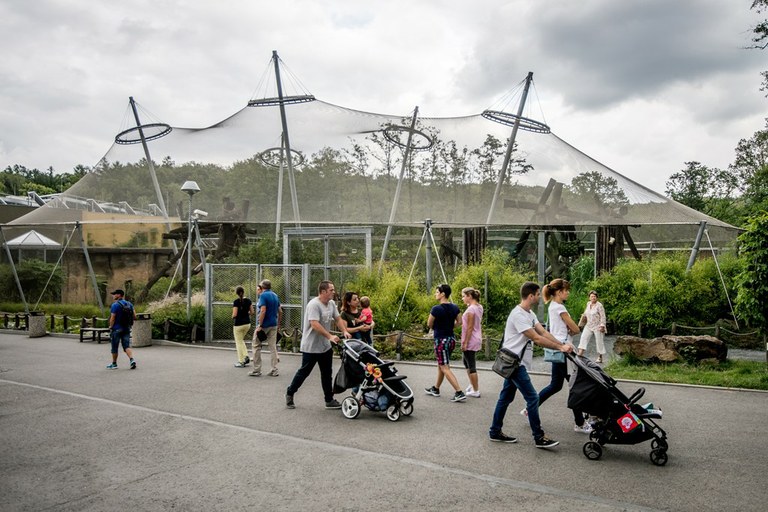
x: 393, y: 413
x: 406, y: 408
x: 592, y: 450
x: 350, y: 407
x: 659, y: 457
x: 659, y: 443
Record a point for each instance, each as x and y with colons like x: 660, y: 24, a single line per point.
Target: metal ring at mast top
x: 508, y: 119
x: 285, y: 100
x: 151, y: 131
x: 389, y: 134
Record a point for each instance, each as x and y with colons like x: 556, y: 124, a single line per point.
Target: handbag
x: 582, y: 321
x: 554, y: 356
x: 506, y: 363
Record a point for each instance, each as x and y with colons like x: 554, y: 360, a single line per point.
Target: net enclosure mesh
x: 344, y: 167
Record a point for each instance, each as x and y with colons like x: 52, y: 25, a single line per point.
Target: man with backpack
x: 121, y: 320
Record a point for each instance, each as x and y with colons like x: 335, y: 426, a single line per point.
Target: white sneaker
x: 469, y: 389
x: 586, y: 428
x: 524, y: 412
x: 473, y: 393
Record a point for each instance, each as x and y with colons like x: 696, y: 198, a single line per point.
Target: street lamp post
x: 191, y: 188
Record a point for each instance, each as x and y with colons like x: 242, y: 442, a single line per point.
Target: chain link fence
x: 293, y: 284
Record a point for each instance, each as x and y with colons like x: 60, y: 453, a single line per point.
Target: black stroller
x: 620, y: 420
x: 376, y: 384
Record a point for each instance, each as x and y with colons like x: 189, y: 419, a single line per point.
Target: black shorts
x: 468, y: 356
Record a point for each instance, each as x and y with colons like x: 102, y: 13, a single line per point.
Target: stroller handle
x: 637, y: 395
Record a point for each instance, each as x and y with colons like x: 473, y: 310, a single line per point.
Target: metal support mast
x: 510, y: 147
x: 396, y: 200
x: 286, y: 140
x: 151, y: 165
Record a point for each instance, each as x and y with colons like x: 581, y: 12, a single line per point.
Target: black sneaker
x: 333, y: 404
x: 501, y: 437
x: 459, y: 397
x: 133, y: 364
x: 545, y: 442
x: 247, y: 360
x: 432, y: 391
x: 289, y: 402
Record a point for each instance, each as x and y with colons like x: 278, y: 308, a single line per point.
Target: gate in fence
x: 294, y: 284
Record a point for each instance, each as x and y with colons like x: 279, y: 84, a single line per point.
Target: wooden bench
x: 97, y: 333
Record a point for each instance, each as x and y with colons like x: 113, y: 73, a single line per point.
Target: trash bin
x: 36, y: 324
x: 141, y: 333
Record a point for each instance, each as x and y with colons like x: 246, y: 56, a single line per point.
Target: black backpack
x: 126, y: 314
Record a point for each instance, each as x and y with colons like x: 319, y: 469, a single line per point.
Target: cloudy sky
x: 642, y: 86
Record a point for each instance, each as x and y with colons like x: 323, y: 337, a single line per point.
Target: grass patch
x: 732, y: 373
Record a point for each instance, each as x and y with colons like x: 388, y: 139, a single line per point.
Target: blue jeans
x: 308, y: 360
x: 519, y: 380
x: 559, y: 376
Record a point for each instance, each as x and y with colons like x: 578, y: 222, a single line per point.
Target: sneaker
x: 459, y: 397
x: 501, y: 437
x: 473, y: 393
x: 289, y: 401
x: 524, y: 412
x: 545, y: 442
x: 333, y: 404
x: 273, y: 373
x: 432, y: 391
x: 469, y: 389
x: 133, y: 364
x: 586, y: 428
x: 112, y: 366
x: 247, y: 360
x: 240, y: 365
x: 254, y: 373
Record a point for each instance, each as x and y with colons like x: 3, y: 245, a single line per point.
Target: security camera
x: 200, y: 213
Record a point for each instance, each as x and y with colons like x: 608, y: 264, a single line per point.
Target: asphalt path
x: 188, y: 431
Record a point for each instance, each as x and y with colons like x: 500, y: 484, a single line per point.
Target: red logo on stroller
x: 628, y: 422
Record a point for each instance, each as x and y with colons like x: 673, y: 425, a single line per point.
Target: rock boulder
x: 672, y: 348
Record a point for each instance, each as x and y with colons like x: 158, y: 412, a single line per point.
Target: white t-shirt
x: 557, y: 326
x: 518, y: 321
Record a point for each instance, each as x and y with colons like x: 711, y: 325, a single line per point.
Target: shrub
x: 40, y: 281
x: 752, y: 298
x: 504, y: 282
x: 659, y: 292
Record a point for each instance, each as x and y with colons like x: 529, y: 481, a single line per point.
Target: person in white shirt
x: 562, y: 327
x: 521, y: 329
x: 594, y: 313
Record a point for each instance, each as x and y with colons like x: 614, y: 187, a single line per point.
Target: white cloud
x: 640, y: 86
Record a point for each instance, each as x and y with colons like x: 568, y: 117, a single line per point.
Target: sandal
x: 599, y: 359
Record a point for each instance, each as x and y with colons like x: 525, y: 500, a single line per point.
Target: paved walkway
x: 188, y: 431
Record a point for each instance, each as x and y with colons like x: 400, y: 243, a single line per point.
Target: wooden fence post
x: 399, y: 345
x: 674, y: 328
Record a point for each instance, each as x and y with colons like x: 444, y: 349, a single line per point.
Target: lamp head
x: 190, y: 187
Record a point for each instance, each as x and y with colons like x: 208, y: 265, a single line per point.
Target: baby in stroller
x: 374, y: 383
x: 618, y: 419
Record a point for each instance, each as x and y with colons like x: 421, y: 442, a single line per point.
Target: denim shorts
x: 443, y: 349
x: 121, y: 337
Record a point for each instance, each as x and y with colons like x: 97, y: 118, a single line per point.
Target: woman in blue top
x: 442, y: 319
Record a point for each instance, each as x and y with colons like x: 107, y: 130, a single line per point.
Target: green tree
x: 760, y: 36
x: 751, y: 168
x: 706, y: 189
x: 752, y: 282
